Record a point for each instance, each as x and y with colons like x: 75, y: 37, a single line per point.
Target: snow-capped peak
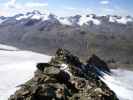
x: 34, y: 15
x: 120, y: 20
x: 80, y: 20
x: 88, y: 18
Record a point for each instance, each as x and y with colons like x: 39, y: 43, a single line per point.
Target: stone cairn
x: 65, y: 77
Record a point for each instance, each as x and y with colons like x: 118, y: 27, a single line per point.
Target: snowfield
x: 121, y: 82
x: 16, y: 67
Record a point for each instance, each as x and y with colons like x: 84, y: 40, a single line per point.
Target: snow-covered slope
x: 16, y: 67
x: 121, y: 82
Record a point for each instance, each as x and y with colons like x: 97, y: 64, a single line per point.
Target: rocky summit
x: 65, y: 77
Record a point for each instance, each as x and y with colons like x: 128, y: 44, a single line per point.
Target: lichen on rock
x: 65, y: 77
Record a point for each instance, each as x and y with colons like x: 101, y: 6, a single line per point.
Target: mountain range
x: 109, y: 37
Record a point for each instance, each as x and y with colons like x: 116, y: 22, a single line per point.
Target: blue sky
x: 68, y: 7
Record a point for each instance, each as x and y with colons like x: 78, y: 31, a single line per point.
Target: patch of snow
x: 112, y: 19
x: 121, y: 82
x: 36, y: 17
x: 66, y: 69
x: 65, y: 21
x: 85, y: 19
x: 6, y: 47
x: 44, y: 17
x: 63, y: 66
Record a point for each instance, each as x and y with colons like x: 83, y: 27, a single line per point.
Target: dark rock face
x: 97, y: 62
x: 65, y: 77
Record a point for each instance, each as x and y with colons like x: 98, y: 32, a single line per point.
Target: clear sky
x: 68, y: 7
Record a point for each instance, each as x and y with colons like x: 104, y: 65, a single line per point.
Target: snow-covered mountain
x: 44, y: 32
x: 72, y: 20
x: 34, y: 15
x: 91, y: 22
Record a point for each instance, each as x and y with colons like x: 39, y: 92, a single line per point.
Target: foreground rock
x: 66, y: 78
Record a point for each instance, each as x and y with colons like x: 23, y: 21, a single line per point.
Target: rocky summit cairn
x: 65, y: 77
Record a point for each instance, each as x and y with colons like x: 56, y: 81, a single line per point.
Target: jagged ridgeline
x: 65, y: 77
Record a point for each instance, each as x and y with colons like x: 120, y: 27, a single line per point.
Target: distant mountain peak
x: 34, y: 15
x: 120, y: 20
x: 87, y: 19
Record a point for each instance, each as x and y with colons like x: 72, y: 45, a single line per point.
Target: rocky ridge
x: 65, y: 77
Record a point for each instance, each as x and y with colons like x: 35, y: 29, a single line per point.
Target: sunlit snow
x: 16, y: 68
x: 121, y: 82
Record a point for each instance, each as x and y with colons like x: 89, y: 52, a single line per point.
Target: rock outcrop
x: 65, y: 77
x: 95, y: 61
